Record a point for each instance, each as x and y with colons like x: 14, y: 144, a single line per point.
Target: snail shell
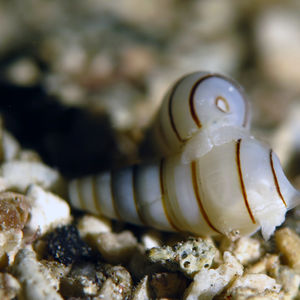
x: 200, y: 103
x: 237, y: 186
x: 215, y: 179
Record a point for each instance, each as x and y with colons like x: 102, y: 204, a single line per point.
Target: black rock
x: 66, y: 246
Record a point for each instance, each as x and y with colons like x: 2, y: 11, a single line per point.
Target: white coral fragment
x: 47, y: 210
x: 209, y: 283
x: 36, y: 281
x: 245, y: 249
x: 254, y: 284
x: 18, y: 175
x: 10, y: 243
x: 188, y: 257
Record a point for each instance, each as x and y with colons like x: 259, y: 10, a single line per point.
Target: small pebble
x: 254, y: 284
x: 245, y: 249
x: 23, y: 72
x: 9, y: 286
x: 90, y: 225
x: 288, y: 243
x: 151, y: 239
x: 290, y: 281
x: 47, y: 210
x: 82, y: 280
x: 116, y: 247
x: 142, y: 291
x: 117, y: 285
x: 66, y: 246
x: 168, y: 285
x: 14, y: 209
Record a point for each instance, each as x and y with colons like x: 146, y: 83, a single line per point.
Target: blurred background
x: 80, y: 81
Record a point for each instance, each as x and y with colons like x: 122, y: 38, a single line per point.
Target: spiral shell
x: 217, y: 179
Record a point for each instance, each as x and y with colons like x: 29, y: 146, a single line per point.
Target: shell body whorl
x: 231, y: 188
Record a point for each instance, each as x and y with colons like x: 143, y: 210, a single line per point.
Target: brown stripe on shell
x: 95, y: 195
x: 162, y: 132
x: 238, y: 161
x: 78, y: 188
x: 136, y: 203
x: 117, y: 213
x: 192, y: 102
x: 170, y: 105
x: 197, y: 194
x: 163, y: 194
x: 275, y: 179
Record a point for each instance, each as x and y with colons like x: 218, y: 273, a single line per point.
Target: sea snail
x: 238, y: 185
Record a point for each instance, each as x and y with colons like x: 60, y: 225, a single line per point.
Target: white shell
x: 219, y: 181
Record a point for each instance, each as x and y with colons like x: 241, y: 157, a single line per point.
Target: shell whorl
x: 214, y: 178
x: 195, y: 103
